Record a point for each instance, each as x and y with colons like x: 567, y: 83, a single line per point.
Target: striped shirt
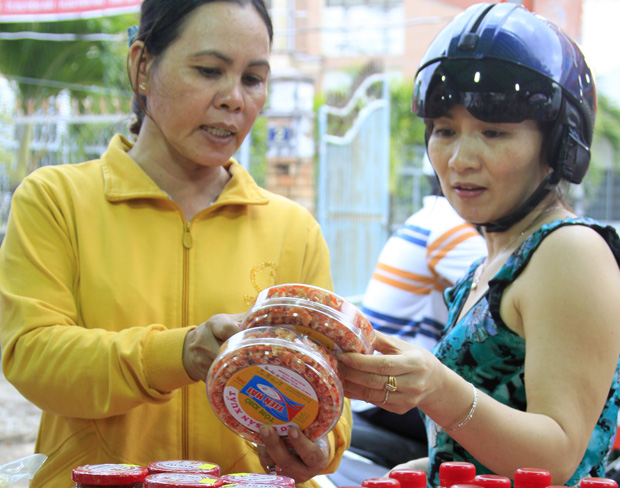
x: 429, y: 252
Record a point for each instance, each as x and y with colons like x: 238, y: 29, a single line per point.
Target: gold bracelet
x: 471, y: 411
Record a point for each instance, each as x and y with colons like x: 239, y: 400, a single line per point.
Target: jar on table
x: 258, y: 479
x: 184, y: 466
x: 187, y: 480
x: 110, y: 475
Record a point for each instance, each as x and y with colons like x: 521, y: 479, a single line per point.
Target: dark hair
x: 161, y: 22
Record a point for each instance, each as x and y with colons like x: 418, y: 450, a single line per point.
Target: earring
x: 142, y: 86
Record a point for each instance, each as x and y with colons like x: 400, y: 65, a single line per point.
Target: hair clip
x: 131, y: 33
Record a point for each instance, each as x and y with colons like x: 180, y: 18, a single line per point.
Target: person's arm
x: 565, y: 303
x: 54, y: 361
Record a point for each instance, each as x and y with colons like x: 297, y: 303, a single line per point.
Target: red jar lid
x: 183, y: 466
x: 456, y: 472
x: 381, y: 483
x: 109, y: 474
x: 252, y: 485
x: 409, y: 478
x: 492, y: 481
x: 598, y: 483
x: 172, y: 480
x: 258, y: 479
x: 532, y: 478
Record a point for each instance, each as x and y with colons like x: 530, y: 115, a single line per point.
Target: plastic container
x: 172, y: 480
x: 258, y: 479
x: 409, y: 478
x: 492, y: 481
x: 184, y: 466
x: 598, y: 483
x: 532, y: 478
x: 274, y: 376
x: 381, y: 483
x: 320, y: 314
x: 117, y: 475
x: 456, y: 472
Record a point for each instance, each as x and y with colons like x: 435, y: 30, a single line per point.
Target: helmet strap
x: 505, y: 223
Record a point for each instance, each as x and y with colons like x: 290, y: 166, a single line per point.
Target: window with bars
x: 363, y: 27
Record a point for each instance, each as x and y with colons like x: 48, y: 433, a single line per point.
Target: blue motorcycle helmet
x: 505, y: 64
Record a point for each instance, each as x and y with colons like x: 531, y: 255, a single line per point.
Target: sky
x: 601, y: 44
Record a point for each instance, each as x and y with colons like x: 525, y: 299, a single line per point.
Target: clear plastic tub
x: 274, y: 376
x: 318, y: 313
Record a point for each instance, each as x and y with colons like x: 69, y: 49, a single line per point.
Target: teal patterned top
x: 484, y: 351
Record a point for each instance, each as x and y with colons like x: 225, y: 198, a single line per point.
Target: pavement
x: 19, y: 422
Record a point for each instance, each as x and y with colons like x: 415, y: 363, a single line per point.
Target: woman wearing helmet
x: 526, y: 371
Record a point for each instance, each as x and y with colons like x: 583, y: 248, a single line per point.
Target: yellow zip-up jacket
x: 101, y: 278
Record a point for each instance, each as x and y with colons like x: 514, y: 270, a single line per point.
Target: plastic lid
x: 171, y: 480
x: 258, y: 479
x: 409, y: 478
x: 326, y: 317
x: 273, y: 376
x: 229, y: 484
x: 492, y: 481
x: 381, y: 483
x: 109, y: 474
x: 532, y: 478
x: 456, y: 472
x: 184, y: 466
x: 598, y: 483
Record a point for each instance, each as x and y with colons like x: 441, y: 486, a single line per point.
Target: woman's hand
x: 413, y: 371
x: 203, y: 343
x: 302, y: 460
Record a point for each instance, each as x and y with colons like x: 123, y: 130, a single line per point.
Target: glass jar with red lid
x: 184, y: 466
x: 174, y: 480
x: 258, y: 479
x: 110, y: 475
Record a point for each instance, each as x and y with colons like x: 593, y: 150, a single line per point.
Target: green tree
x: 42, y: 68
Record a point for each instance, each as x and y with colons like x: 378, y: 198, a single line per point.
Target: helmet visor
x: 491, y: 90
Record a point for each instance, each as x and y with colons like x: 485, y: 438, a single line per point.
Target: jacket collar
x: 125, y: 180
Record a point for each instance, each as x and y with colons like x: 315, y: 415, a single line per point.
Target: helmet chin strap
x: 505, y: 223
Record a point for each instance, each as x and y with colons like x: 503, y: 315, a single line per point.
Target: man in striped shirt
x: 428, y: 253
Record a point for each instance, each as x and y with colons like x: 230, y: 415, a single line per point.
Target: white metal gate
x: 353, y: 192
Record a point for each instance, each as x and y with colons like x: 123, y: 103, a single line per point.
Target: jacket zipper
x: 188, y: 242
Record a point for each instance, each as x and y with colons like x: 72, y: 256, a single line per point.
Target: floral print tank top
x: 484, y: 351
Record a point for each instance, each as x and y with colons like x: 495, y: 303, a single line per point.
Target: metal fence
x: 353, y: 190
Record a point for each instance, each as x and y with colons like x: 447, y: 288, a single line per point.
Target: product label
x: 271, y: 395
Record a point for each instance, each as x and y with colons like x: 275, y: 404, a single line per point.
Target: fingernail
x: 264, y: 430
x: 293, y: 432
x: 344, y: 358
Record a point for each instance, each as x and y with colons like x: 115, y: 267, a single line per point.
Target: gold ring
x: 391, y: 385
x: 387, y: 394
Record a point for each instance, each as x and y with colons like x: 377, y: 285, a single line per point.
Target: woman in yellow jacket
x: 121, y: 277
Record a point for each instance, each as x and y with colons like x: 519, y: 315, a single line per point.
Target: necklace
x: 485, y: 264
